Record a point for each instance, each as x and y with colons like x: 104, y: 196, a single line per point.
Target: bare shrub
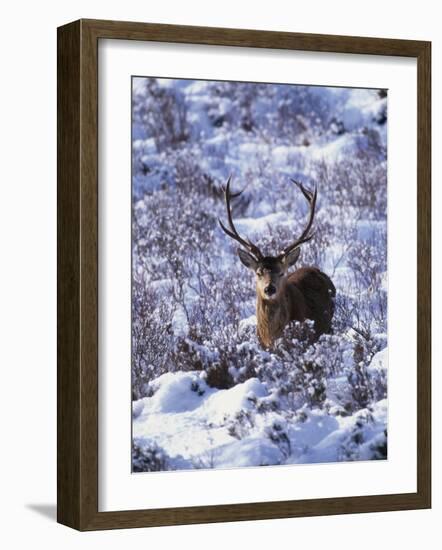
x: 148, y: 457
x: 241, y: 424
x: 358, y: 182
x: 379, y: 448
x: 151, y: 335
x: 163, y: 113
x: 364, y: 386
x: 277, y: 433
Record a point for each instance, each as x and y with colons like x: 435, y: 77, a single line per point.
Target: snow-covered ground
x: 204, y: 392
x: 195, y: 426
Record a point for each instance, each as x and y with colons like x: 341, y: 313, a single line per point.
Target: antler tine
x: 232, y: 232
x: 305, y: 236
x: 232, y: 195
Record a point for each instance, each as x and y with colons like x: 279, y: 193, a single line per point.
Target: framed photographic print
x: 243, y: 275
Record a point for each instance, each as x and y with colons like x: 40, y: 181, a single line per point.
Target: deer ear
x: 247, y: 259
x: 292, y: 257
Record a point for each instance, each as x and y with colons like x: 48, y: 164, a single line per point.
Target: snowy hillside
x: 205, y: 394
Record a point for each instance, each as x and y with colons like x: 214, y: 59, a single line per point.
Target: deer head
x: 270, y: 271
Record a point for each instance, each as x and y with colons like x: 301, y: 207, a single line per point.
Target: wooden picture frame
x: 78, y: 274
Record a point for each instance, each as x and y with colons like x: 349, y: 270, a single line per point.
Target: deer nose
x: 269, y: 290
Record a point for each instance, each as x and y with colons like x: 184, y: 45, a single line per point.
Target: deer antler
x: 232, y: 232
x: 306, y: 235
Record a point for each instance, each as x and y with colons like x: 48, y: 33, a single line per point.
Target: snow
x: 333, y: 150
x: 174, y: 393
x: 379, y: 361
x: 328, y: 448
x: 190, y: 423
x: 226, y: 403
x: 246, y: 323
x: 254, y: 226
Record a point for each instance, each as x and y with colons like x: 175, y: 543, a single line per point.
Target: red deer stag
x: 282, y: 297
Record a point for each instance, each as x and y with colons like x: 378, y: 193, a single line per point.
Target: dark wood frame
x: 77, y: 225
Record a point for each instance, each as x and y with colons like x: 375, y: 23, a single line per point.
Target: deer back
x: 313, y: 295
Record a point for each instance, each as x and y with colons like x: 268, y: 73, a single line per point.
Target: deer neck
x: 272, y: 316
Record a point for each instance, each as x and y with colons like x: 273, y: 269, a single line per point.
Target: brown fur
x: 308, y: 293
